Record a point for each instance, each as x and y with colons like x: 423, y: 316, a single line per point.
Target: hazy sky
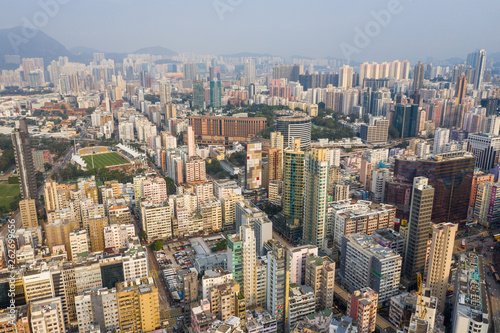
x: 316, y: 28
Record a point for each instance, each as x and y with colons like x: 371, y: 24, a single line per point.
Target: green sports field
x: 8, y: 193
x: 104, y: 160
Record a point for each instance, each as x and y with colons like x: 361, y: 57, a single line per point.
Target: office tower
x: 251, y: 91
x: 418, y: 76
x: 364, y: 263
x: 165, y: 94
x: 486, y: 149
x: 79, y: 244
x: 441, y: 138
x: 96, y: 227
x: 254, y: 166
x: 315, y: 197
x: 418, y: 228
x: 405, y: 120
x: 47, y: 316
x: 29, y: 216
x: 297, y: 262
x: 293, y: 182
x: 156, y: 220
x: 450, y: 201
x: 198, y: 95
x: 301, y: 304
x: 376, y: 131
x: 295, y: 127
x: 362, y: 307
x: 470, y: 302
x: 438, y: 273
x: 479, y: 70
x: 215, y: 94
x: 347, y: 217
x: 345, y: 77
x: 277, y: 141
x: 224, y: 130
x: 320, y: 276
x: 24, y: 160
x: 278, y: 283
x: 249, y: 71
x: 487, y: 204
x: 138, y: 305
x: 461, y: 88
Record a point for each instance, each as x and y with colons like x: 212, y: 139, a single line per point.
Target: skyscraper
x: 315, y: 197
x: 441, y: 138
x: 405, y: 120
x: 461, y: 88
x: 293, y: 182
x: 479, y: 71
x: 165, y: 94
x: 294, y: 127
x: 277, y: 283
x: 198, y: 95
x: 215, y: 94
x: 249, y: 71
x: 345, y: 77
x: 249, y: 261
x: 486, y: 149
x: 438, y: 273
x: 24, y: 160
x: 191, y: 142
x: 418, y: 76
x: 418, y: 228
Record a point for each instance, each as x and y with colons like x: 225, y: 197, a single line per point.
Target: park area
x: 104, y: 160
x: 8, y: 194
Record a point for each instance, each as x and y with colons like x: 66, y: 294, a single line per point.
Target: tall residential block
x: 254, y: 166
x: 293, y: 182
x: 362, y: 307
x: 29, y: 216
x: 24, y: 160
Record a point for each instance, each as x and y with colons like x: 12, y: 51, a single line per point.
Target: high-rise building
x: 24, y: 160
x: 47, y: 316
x: 418, y: 228
x: 254, y: 166
x: 79, y: 243
x: 450, y: 201
x: 293, y: 182
x: 301, y: 304
x: 441, y: 138
x: 362, y: 307
x: 486, y: 149
x: 249, y: 264
x: 277, y: 141
x: 470, y: 302
x: 249, y: 71
x: 165, y: 94
x: 320, y: 276
x: 376, y: 131
x: 418, y: 76
x: 198, y: 95
x: 96, y: 227
x: 295, y: 127
x: 215, y: 94
x: 461, y: 88
x: 364, y: 263
x: 277, y: 283
x: 138, y: 305
x: 29, y: 216
x: 487, y: 204
x: 315, y: 197
x: 479, y: 70
x: 438, y: 273
x: 156, y: 220
x: 297, y: 262
x: 274, y: 165
x: 346, y: 77
x: 405, y: 120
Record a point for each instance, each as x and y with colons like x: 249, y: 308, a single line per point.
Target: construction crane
x: 422, y: 310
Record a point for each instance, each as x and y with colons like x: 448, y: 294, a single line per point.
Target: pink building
x: 155, y: 189
x: 298, y: 257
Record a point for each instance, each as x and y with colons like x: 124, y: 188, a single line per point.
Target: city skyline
x: 148, y: 28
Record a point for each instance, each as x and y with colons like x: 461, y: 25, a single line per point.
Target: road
x: 4, y: 230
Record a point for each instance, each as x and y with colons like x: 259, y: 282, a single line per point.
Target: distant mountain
x: 14, y: 42
x: 247, y: 54
x: 156, y: 50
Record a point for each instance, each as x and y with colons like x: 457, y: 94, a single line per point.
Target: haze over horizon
x: 417, y: 30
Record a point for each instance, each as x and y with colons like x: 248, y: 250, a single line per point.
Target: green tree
x: 393, y: 132
x: 157, y: 245
x: 142, y: 234
x: 171, y: 188
x: 47, y: 166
